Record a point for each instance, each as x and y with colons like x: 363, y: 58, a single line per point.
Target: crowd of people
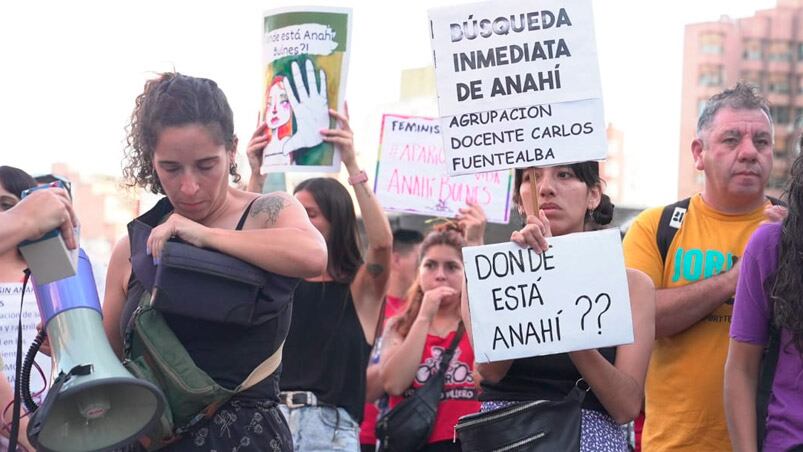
x: 360, y: 328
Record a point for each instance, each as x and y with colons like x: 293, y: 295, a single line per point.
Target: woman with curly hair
x: 768, y: 295
x: 181, y: 144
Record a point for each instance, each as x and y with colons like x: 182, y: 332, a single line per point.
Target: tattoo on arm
x: 271, y: 205
x: 375, y: 270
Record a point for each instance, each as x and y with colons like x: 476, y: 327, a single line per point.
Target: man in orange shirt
x: 695, y: 268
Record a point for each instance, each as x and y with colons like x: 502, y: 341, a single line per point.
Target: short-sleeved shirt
x: 751, y: 319
x: 684, y: 408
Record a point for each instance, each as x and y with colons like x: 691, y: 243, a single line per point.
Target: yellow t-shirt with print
x: 684, y: 404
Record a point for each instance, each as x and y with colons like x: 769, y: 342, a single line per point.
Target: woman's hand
x: 433, y: 299
x: 176, y: 226
x: 342, y: 137
x: 45, y: 347
x: 534, y: 233
x: 256, y: 145
x: 472, y: 220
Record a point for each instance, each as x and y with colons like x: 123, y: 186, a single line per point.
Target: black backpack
x: 671, y: 220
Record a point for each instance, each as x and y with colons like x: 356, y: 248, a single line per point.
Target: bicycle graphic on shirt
x: 458, y: 372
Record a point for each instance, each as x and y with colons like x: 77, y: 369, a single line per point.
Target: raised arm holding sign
x: 536, y: 316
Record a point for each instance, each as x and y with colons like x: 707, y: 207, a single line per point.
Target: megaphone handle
x: 35, y: 425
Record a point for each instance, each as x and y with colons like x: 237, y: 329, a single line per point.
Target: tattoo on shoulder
x: 271, y: 205
x: 375, y: 269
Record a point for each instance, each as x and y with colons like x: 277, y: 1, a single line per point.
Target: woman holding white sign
x: 428, y: 329
x: 569, y: 200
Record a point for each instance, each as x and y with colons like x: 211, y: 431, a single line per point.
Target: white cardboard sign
x: 518, y: 84
x: 572, y: 297
x: 10, y: 294
x: 411, y: 175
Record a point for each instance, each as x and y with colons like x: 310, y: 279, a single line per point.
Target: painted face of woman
x: 278, y: 108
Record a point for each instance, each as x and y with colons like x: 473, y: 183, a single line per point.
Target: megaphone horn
x: 95, y: 403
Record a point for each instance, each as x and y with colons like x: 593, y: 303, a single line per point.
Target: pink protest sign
x: 412, y: 176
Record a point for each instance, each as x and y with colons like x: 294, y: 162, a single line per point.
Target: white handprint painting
x: 306, y: 56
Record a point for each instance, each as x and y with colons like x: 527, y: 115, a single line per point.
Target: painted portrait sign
x: 305, y: 61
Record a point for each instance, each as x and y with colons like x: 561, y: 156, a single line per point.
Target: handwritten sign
x: 572, y: 297
x: 411, y: 175
x: 518, y: 84
x: 10, y: 294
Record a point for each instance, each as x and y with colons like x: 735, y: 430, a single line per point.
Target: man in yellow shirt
x: 696, y: 269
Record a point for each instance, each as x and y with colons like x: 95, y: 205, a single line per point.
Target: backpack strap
x: 671, y: 219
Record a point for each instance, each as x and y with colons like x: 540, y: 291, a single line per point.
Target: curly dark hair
x: 170, y: 100
x: 788, y: 281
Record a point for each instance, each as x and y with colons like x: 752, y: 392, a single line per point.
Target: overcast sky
x: 71, y: 70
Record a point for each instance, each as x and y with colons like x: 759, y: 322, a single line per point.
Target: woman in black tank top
x: 571, y: 200
x: 335, y: 312
x: 181, y: 144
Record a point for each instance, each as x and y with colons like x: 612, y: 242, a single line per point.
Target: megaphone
x: 94, y: 403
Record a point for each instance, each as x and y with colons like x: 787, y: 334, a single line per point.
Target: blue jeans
x: 323, y: 429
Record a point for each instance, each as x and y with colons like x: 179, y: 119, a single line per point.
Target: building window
x: 710, y: 75
x: 711, y: 43
x: 752, y: 49
x: 800, y: 52
x: 800, y: 84
x: 779, y: 51
x: 778, y: 83
x: 799, y: 117
x: 780, y: 115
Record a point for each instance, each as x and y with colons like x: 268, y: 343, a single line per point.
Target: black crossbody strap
x: 449, y: 353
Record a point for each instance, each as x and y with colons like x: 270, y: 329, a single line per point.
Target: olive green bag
x: 154, y: 353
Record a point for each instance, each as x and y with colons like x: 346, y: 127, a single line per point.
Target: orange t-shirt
x: 684, y: 390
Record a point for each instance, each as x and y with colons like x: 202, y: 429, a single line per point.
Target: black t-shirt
x: 542, y: 378
x: 326, y: 352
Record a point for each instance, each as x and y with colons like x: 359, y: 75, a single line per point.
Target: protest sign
x: 411, y: 175
x: 305, y: 56
x: 10, y: 294
x: 518, y: 84
x: 573, y: 296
